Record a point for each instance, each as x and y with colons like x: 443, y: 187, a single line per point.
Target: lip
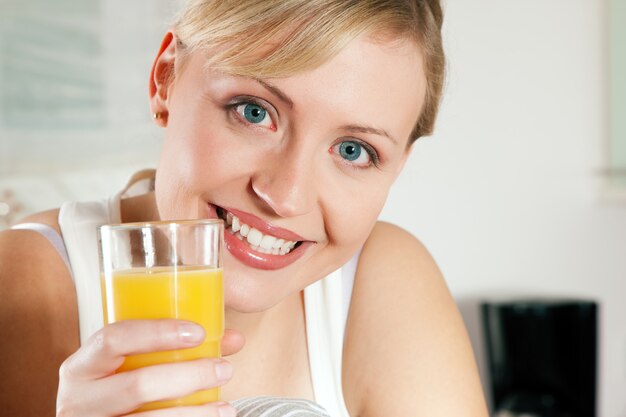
x: 244, y: 253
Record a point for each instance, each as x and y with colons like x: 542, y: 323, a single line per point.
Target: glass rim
x: 160, y: 224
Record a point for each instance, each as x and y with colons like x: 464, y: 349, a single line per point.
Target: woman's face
x: 300, y: 165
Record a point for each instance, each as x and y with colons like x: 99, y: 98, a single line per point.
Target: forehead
x: 367, y: 65
x: 382, y: 82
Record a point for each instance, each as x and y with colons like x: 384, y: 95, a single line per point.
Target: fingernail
x: 226, y: 410
x: 223, y: 370
x: 190, y: 333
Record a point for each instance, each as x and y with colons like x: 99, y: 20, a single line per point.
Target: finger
x: 232, y: 342
x: 126, y: 391
x: 220, y: 409
x: 104, y: 352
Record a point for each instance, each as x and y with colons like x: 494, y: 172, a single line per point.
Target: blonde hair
x: 284, y: 37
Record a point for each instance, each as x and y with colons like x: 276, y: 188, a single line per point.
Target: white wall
x: 507, y: 194
x: 100, y: 141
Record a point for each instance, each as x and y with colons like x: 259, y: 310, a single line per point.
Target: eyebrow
x: 276, y: 91
x: 370, y: 130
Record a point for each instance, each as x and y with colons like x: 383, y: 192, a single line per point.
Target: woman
x: 292, y: 118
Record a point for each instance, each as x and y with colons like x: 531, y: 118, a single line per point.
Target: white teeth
x: 262, y: 250
x: 267, y: 242
x: 236, y: 225
x: 257, y: 240
x: 254, y: 237
x: 286, y: 246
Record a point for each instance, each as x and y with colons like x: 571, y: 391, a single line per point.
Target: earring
x: 157, y: 115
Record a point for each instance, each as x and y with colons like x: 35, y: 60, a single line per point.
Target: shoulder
x: 393, y: 261
x: 27, y: 249
x: 397, y: 245
x: 48, y: 217
x: 32, y: 274
x: 26, y: 252
x: 38, y: 319
x: 28, y: 260
x: 404, y: 331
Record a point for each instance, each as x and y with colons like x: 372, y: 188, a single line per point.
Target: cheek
x: 352, y: 215
x: 190, y: 152
x: 178, y: 175
x: 197, y: 162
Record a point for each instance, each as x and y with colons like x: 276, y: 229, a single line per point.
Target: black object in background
x: 542, y: 356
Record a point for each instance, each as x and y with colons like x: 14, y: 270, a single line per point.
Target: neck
x: 139, y: 209
x: 273, y: 321
x: 274, y: 359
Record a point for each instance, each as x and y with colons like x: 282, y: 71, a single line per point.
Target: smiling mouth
x: 257, y: 241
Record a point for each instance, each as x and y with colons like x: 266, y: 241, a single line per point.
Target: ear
x: 161, y: 78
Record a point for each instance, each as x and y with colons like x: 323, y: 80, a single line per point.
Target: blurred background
x: 520, y: 194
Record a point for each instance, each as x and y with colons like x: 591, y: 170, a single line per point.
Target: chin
x: 253, y: 291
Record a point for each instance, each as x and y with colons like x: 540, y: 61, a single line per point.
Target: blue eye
x: 356, y: 153
x: 350, y: 151
x: 255, y: 114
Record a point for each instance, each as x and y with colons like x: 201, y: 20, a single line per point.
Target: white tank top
x: 326, y: 302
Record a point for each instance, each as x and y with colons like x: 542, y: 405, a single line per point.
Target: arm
x: 38, y: 323
x: 406, y: 349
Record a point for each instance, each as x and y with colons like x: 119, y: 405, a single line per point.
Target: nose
x: 286, y: 183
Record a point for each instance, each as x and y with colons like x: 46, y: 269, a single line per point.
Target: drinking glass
x: 166, y: 270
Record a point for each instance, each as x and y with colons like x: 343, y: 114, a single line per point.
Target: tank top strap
x: 51, y: 235
x: 139, y: 183
x: 79, y: 223
x: 326, y: 306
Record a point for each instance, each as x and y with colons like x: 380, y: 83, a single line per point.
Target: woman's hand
x: 89, y: 386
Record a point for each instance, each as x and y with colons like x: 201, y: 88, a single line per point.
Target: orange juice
x: 187, y: 293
